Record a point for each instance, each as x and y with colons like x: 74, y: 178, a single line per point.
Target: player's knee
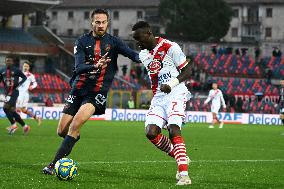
x: 152, y: 132
x: 24, y: 110
x: 174, y: 130
x: 61, y: 133
x: 77, y: 122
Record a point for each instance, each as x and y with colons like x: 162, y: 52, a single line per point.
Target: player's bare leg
x: 153, y: 133
x: 215, y: 119
x: 83, y: 114
x: 14, y: 116
x: 179, y: 151
x: 63, y: 125
x: 31, y: 114
x: 13, y: 127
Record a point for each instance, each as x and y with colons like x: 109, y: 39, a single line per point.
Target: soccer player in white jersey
x: 217, y: 98
x: 168, y: 69
x: 24, y: 89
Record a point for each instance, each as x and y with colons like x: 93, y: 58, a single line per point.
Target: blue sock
x: 65, y: 148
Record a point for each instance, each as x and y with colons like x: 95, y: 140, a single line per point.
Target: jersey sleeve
x: 144, y: 55
x: 21, y: 75
x: 33, y: 82
x: 222, y: 99
x: 209, y: 97
x: 80, y: 65
x: 126, y: 51
x: 178, y: 56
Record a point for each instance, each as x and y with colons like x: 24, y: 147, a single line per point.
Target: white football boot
x: 178, y: 176
x: 184, y: 180
x: 221, y: 125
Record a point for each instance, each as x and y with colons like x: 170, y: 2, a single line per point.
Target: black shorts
x: 73, y: 103
x: 12, y: 99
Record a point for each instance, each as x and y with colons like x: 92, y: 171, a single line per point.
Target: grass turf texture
x: 118, y: 155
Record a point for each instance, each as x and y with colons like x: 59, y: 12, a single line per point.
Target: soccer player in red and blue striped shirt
x: 95, y: 67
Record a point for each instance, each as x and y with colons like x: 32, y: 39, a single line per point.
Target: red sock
x: 163, y: 143
x: 180, y: 154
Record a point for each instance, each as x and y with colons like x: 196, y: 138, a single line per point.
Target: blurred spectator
x: 268, y: 73
x: 132, y: 73
x: 124, y: 69
x: 237, y: 52
x: 202, y: 78
x: 229, y: 50
x: 214, y: 49
x: 145, y: 105
x: 232, y: 100
x: 276, y: 52
x: 48, y: 102
x: 256, y: 52
x: 244, y: 51
x: 138, y: 71
x: 130, y: 103
x: 246, y: 106
x: 239, y: 105
x: 4, y: 21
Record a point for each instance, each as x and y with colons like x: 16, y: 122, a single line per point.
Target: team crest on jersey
x: 155, y: 66
x: 107, y: 48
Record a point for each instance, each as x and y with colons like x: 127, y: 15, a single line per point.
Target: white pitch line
x: 193, y: 161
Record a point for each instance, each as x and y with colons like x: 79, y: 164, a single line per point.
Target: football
x: 66, y: 169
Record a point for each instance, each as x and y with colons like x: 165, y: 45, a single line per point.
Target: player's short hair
x: 99, y: 11
x: 140, y: 24
x: 27, y: 62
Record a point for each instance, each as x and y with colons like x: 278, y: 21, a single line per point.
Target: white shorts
x: 215, y: 108
x: 166, y: 110
x: 22, y: 101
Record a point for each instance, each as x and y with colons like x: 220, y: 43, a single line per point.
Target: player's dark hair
x: 99, y: 11
x: 140, y: 24
x: 28, y: 63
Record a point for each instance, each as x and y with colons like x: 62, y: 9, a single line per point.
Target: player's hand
x: 224, y: 107
x: 30, y: 88
x: 103, y: 61
x: 165, y: 88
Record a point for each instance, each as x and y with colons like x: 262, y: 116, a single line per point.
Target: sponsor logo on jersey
x: 70, y: 99
x: 100, y: 99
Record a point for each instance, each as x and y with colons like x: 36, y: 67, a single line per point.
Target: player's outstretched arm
x: 127, y: 52
x: 223, y: 101
x: 24, y: 78
x: 208, y: 98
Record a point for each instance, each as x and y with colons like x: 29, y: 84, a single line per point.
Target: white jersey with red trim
x: 24, y: 88
x: 217, y: 98
x: 164, y: 63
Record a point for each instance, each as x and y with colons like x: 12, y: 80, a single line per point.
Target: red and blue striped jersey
x: 88, y: 50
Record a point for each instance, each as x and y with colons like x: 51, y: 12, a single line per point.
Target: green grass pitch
x: 118, y: 155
